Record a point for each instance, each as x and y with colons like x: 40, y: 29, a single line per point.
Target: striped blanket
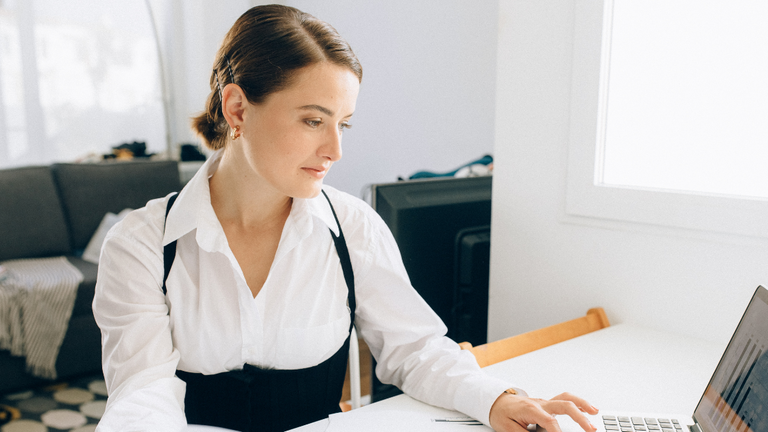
x: 36, y: 301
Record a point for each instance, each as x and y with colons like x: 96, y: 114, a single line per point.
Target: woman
x: 231, y: 304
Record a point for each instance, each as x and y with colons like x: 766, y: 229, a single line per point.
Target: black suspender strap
x: 346, y: 264
x: 169, y: 251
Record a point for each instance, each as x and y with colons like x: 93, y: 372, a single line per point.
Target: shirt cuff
x: 477, y: 394
x: 156, y: 407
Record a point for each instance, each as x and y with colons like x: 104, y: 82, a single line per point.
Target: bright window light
x: 77, y: 77
x: 687, y: 97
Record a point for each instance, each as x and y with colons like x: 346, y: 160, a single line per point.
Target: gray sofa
x: 48, y: 211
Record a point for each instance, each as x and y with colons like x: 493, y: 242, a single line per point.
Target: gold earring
x: 235, y: 134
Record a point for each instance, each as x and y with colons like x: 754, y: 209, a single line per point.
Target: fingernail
x: 593, y: 426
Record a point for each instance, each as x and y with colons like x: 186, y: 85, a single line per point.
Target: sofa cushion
x: 89, y: 191
x: 32, y: 223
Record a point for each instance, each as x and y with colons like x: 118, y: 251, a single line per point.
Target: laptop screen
x: 736, y: 398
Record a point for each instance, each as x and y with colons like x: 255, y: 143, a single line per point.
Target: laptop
x: 736, y: 398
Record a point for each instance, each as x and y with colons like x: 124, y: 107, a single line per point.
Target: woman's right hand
x: 513, y: 413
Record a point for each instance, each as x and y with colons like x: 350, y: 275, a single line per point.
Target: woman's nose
x: 331, y: 149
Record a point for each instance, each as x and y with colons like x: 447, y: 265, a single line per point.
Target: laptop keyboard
x: 641, y: 424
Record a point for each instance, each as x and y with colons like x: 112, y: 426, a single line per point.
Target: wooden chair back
x: 494, y: 352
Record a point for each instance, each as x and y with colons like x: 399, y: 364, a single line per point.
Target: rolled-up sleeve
x: 138, y: 356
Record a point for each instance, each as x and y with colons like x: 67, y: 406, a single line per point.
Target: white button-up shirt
x: 209, y: 322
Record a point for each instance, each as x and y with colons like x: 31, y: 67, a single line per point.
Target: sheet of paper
x: 432, y: 420
x: 201, y: 428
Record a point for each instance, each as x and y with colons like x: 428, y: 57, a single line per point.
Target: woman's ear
x: 233, y: 104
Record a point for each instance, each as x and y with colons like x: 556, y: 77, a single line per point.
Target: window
x: 77, y: 78
x: 669, y: 101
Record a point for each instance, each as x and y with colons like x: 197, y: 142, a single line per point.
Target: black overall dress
x: 255, y: 399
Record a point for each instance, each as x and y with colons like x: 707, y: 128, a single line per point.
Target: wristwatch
x: 511, y: 391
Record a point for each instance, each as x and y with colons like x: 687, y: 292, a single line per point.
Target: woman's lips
x: 317, y: 171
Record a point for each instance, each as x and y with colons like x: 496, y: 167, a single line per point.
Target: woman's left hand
x: 512, y: 413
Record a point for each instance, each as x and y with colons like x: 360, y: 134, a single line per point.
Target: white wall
x: 427, y: 97
x: 190, y: 33
x: 429, y: 76
x: 547, y: 267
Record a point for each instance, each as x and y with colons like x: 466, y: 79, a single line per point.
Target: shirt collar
x: 319, y: 208
x: 192, y: 210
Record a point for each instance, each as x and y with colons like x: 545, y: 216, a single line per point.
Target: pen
x: 458, y: 420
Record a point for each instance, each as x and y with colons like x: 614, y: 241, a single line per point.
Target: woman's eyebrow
x: 322, y: 109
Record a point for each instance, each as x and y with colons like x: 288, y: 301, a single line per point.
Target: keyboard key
x: 637, y: 420
x: 674, y: 421
x: 610, y: 422
x: 653, y: 427
x: 609, y: 417
x: 651, y: 421
x: 625, y: 419
x: 640, y: 428
x: 611, y: 427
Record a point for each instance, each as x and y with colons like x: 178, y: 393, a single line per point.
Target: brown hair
x: 261, y: 53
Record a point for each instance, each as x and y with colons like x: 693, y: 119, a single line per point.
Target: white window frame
x: 585, y: 197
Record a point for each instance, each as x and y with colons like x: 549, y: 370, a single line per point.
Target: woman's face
x: 292, y: 138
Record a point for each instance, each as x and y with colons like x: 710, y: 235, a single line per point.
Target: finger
x: 581, y: 403
x: 569, y: 408
x: 509, y: 425
x: 545, y: 419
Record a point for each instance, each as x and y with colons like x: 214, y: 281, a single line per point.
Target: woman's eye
x: 313, y: 123
x: 343, y: 126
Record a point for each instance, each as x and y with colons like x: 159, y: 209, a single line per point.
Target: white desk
x: 622, y: 367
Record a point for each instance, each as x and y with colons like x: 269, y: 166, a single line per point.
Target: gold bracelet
x: 510, y: 391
